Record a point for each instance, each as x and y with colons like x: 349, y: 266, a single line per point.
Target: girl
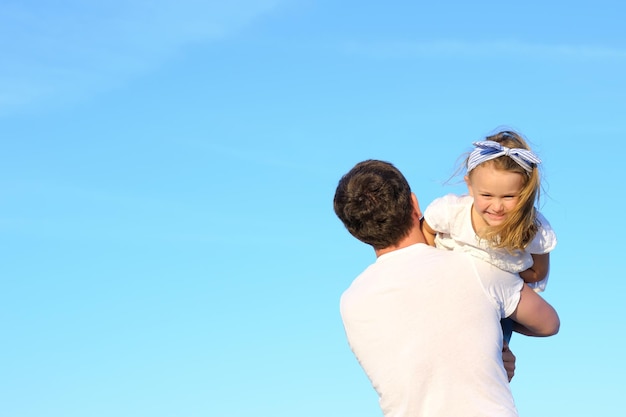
x: 497, y: 221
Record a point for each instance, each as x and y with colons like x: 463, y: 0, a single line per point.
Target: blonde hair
x: 521, y: 226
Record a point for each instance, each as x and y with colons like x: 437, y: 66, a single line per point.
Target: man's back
x: 424, y: 327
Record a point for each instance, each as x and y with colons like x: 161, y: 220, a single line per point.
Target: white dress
x: 451, y: 217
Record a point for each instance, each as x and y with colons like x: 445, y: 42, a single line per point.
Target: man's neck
x: 416, y: 236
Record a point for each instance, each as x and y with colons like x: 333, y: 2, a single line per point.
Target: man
x: 425, y: 323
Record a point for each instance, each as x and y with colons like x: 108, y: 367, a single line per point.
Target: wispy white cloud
x: 457, y: 48
x: 60, y: 50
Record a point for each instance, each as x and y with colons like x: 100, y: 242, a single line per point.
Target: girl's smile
x: 496, y: 193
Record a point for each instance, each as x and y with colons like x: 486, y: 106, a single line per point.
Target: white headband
x: 488, y: 149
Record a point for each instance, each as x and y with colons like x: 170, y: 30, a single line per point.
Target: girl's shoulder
x: 452, y: 200
x: 545, y: 239
x: 448, y: 212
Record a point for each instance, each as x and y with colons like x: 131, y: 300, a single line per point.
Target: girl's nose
x: 498, y: 205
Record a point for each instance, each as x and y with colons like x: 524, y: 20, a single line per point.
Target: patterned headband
x: 488, y: 149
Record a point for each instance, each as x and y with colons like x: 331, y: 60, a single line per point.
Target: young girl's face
x: 496, y: 193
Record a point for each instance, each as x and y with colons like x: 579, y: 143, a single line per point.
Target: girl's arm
x: 428, y: 232
x: 539, y: 270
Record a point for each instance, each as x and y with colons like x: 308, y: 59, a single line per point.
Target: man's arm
x: 534, y: 316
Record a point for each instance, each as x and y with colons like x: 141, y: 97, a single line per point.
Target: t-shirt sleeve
x: 545, y: 239
x: 504, y: 288
x: 441, y: 212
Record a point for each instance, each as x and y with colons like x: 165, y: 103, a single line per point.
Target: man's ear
x: 416, y: 206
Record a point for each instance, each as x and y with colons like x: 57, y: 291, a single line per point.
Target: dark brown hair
x: 373, y: 200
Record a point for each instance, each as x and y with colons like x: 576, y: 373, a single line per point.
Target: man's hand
x: 508, y: 358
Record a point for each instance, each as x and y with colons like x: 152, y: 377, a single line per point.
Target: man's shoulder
x: 504, y: 287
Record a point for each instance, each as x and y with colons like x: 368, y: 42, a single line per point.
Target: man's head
x: 374, y: 202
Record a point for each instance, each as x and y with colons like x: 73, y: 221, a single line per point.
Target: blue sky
x: 166, y: 228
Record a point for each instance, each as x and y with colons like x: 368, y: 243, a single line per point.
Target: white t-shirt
x: 425, y: 326
x: 451, y: 217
